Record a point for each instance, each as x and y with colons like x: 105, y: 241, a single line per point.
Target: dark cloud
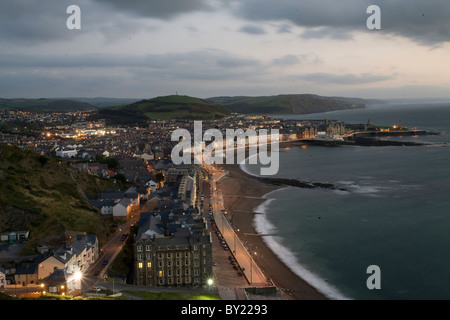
x: 201, y: 59
x: 60, y: 83
x: 285, y: 28
x: 425, y: 22
x: 346, y: 79
x: 251, y: 29
x: 119, y: 74
x: 159, y: 9
x: 69, y: 61
x: 287, y: 60
x: 207, y: 64
x: 29, y: 22
x: 326, y: 33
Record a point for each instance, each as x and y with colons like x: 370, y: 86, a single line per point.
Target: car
x: 105, y: 262
x: 214, y: 263
x: 124, y: 236
x: 96, y: 289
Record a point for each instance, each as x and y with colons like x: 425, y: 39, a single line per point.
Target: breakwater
x: 299, y: 183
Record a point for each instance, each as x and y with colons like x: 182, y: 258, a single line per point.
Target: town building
x: 26, y: 274
x: 2, y: 278
x: 65, y: 281
x: 172, y: 250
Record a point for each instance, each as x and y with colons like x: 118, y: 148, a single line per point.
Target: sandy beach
x: 242, y: 193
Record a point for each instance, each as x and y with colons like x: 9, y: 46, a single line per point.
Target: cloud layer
x: 141, y: 48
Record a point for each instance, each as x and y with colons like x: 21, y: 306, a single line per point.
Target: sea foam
x: 263, y: 225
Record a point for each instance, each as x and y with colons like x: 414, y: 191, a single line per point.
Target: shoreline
x: 242, y: 195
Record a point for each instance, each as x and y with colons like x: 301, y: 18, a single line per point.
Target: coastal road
x: 253, y: 274
x: 228, y: 280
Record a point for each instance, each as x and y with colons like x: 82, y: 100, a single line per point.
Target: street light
x: 77, y: 276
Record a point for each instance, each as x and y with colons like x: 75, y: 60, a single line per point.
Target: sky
x: 207, y: 48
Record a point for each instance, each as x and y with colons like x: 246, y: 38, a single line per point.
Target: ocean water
x: 393, y: 210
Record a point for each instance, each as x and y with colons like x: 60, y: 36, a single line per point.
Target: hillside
x: 162, y: 108
x: 45, y: 105
x: 47, y: 197
x: 101, y: 102
x: 288, y: 104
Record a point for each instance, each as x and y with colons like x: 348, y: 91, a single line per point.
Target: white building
x: 66, y: 153
x: 2, y: 278
x: 123, y: 208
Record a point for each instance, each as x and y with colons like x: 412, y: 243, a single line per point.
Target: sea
x: 392, y: 209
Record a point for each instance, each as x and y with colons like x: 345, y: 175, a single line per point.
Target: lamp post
x: 210, y: 283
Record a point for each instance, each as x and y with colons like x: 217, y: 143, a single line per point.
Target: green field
x: 162, y: 108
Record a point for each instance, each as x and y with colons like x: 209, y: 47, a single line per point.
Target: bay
x: 394, y: 212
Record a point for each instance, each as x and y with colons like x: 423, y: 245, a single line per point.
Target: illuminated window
x: 140, y: 265
x: 149, y: 264
x: 160, y: 273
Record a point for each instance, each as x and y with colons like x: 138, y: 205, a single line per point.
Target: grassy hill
x: 162, y: 108
x: 44, y: 105
x: 47, y: 197
x: 287, y: 104
x: 101, y: 102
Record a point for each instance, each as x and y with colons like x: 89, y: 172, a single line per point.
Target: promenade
x: 255, y: 277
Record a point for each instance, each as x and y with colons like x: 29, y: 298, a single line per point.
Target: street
x: 108, y: 253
